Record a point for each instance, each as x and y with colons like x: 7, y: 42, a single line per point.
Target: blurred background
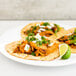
x: 37, y: 9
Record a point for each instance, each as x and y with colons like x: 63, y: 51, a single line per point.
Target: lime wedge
x: 65, y: 51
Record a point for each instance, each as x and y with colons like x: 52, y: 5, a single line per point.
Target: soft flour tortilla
x: 11, y: 46
x: 27, y: 27
x: 61, y: 33
x: 73, y: 50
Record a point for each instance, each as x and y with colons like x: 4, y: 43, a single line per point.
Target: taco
x: 34, y: 49
x: 43, y: 28
x: 70, y: 39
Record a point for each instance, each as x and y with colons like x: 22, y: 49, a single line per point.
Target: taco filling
x: 44, y: 28
x: 69, y: 39
x: 36, y: 46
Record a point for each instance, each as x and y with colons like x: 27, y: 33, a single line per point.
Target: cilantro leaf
x: 33, y: 54
x: 45, y: 24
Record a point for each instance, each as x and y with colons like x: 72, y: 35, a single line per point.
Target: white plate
x: 14, y: 34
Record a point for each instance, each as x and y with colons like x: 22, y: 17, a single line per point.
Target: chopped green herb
x: 28, y: 31
x: 48, y: 41
x: 27, y: 38
x: 49, y: 29
x: 55, y: 31
x: 71, y: 37
x: 74, y: 35
x: 34, y: 27
x: 31, y: 34
x: 44, y: 41
x: 33, y: 54
x: 46, y: 29
x: 45, y: 24
x: 42, y: 37
x: 73, y: 41
x: 39, y: 42
x: 32, y: 39
x: 74, y: 38
x: 58, y: 28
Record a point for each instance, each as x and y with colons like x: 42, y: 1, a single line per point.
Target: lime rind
x: 65, y: 51
x: 67, y: 54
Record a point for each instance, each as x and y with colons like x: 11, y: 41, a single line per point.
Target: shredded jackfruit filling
x: 39, y: 48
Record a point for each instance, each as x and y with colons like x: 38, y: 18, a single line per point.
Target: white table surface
x: 12, y: 68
